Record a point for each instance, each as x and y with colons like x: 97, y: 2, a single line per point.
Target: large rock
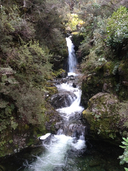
x: 62, y: 99
x: 111, y: 77
x: 107, y: 117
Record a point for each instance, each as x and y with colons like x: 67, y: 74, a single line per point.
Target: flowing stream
x: 70, y: 139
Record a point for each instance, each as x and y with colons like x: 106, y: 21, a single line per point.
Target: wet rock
x: 62, y: 99
x: 75, y: 130
x: 74, y: 85
x: 58, y: 125
x: 71, y: 77
x: 76, y: 116
x: 60, y: 131
x: 72, y: 153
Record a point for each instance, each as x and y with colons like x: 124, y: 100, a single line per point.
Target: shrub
x: 31, y: 62
x: 117, y: 28
x: 15, y: 25
x: 124, y: 158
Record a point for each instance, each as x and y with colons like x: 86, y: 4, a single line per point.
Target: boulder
x: 112, y: 77
x: 62, y: 99
x: 107, y: 117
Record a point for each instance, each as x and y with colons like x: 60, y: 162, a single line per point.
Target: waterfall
x: 70, y: 140
x: 72, y: 61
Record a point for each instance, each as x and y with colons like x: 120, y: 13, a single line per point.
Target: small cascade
x: 63, y: 99
x: 72, y: 61
x: 75, y: 107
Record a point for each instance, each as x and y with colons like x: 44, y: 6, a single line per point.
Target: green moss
x: 102, y: 115
x: 107, y: 117
x: 108, y: 68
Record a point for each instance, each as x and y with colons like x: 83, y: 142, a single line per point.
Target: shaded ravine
x: 70, y: 140
x: 68, y: 150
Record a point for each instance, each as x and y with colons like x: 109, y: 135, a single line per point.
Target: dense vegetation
x: 30, y: 47
x: 103, y: 52
x: 33, y: 51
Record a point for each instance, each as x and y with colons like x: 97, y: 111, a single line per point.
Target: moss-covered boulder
x: 107, y: 117
x: 110, y: 77
x: 91, y: 84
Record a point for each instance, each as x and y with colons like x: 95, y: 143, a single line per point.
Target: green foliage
x: 124, y: 158
x: 14, y: 124
x: 31, y: 61
x: 30, y: 36
x: 14, y: 24
x: 29, y: 104
x: 73, y: 22
x: 6, y: 111
x: 117, y: 27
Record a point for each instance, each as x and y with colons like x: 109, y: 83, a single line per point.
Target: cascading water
x: 71, y: 136
x: 72, y: 61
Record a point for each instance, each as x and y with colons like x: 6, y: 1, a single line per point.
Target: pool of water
x: 98, y: 157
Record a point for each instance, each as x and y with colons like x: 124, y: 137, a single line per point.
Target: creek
x: 68, y: 150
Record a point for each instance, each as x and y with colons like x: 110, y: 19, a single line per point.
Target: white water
x: 55, y: 155
x: 72, y: 61
x: 75, y: 107
x: 56, y: 149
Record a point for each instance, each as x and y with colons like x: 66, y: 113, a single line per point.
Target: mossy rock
x: 104, y: 78
x: 91, y: 85
x: 51, y: 90
x: 12, y: 141
x: 107, y: 117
